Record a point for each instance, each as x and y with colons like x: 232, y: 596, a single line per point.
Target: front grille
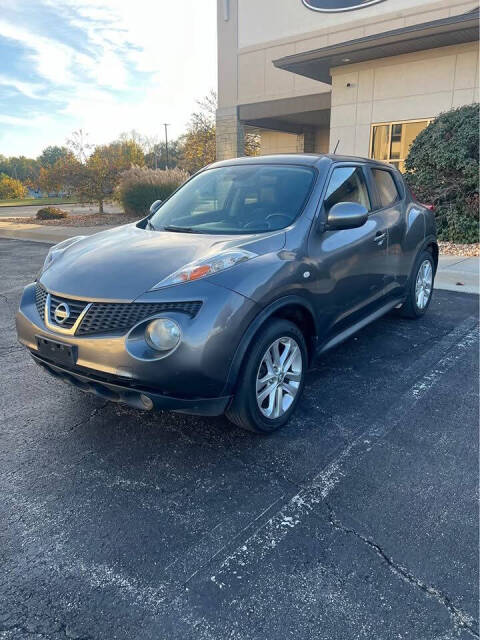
x: 109, y: 316
x: 75, y: 306
x: 122, y: 316
x: 40, y: 300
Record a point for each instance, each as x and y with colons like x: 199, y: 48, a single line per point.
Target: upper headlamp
x: 206, y: 267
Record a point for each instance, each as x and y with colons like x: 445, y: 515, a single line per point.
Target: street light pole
x: 166, y: 143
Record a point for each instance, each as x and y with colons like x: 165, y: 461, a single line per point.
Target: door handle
x: 380, y: 237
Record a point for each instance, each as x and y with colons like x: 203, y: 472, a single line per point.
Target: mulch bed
x: 461, y: 250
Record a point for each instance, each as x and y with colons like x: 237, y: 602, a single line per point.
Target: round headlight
x: 163, y: 334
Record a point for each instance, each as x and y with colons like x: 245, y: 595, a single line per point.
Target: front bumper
x: 135, y: 397
x: 196, y: 371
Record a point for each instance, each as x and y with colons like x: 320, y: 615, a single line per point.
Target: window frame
x: 390, y: 125
x: 372, y: 195
x: 400, y: 189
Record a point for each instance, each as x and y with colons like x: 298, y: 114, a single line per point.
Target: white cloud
x: 51, y: 59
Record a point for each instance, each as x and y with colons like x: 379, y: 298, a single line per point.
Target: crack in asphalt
x: 461, y: 619
x: 91, y: 415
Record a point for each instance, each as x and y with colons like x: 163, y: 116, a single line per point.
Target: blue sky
x: 106, y: 66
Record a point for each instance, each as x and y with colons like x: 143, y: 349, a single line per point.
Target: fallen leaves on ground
x: 462, y: 250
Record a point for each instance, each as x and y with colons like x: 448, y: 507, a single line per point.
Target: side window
x: 347, y: 184
x: 386, y: 187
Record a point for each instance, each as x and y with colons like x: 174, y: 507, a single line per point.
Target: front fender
x: 266, y: 313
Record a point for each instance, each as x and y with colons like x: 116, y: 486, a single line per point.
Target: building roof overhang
x: 291, y: 115
x: 316, y: 64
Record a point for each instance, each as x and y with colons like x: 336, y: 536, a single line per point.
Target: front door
x: 348, y: 266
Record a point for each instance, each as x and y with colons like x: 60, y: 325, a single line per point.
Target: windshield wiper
x: 180, y: 229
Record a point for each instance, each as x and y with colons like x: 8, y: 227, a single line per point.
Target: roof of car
x: 309, y: 159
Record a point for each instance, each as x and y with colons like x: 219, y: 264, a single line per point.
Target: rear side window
x: 347, y: 184
x: 386, y: 187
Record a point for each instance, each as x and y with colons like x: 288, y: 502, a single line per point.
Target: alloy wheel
x: 423, y: 285
x: 278, y: 378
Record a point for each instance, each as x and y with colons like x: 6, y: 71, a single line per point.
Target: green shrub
x: 51, y: 213
x: 442, y: 169
x: 139, y: 187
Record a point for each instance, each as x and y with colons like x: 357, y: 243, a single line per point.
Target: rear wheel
x: 420, y: 288
x: 272, y: 379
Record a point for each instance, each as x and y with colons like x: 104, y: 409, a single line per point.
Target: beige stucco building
x: 363, y: 81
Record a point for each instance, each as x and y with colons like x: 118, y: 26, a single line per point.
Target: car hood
x: 121, y: 264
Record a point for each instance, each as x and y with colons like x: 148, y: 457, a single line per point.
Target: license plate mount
x: 58, y: 352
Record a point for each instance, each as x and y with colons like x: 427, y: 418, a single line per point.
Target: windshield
x: 237, y: 200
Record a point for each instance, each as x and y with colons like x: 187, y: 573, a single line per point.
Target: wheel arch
x: 432, y: 246
x: 429, y: 244
x: 294, y: 308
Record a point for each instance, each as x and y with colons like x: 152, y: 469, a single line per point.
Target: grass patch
x: 25, y: 202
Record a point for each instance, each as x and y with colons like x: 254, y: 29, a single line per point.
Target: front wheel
x: 272, y: 379
x: 420, y: 287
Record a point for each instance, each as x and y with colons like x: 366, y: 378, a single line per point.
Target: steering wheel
x: 269, y: 222
x: 283, y: 220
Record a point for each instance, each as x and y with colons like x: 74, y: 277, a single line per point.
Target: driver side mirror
x: 155, y: 206
x: 346, y: 215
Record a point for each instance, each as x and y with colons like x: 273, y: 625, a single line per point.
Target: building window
x: 391, y: 141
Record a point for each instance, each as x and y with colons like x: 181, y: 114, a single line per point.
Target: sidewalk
x: 454, y: 272
x: 458, y: 274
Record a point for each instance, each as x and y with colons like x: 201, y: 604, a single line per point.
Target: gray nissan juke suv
x: 217, y: 301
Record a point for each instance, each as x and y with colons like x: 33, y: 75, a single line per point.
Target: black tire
x: 410, y: 309
x: 244, y: 410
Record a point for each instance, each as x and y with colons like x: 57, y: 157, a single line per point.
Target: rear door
x: 350, y: 264
x: 390, y: 207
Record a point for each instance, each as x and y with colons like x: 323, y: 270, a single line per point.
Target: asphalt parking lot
x: 357, y: 521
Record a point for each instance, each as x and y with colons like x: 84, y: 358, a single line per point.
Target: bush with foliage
x: 51, y: 213
x: 11, y: 189
x: 442, y: 169
x: 139, y: 187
